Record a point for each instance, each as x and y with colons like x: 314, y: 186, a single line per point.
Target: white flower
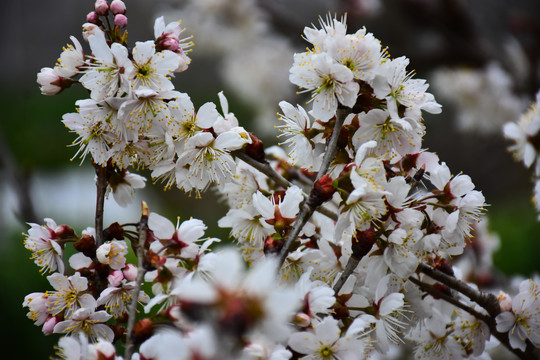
x: 394, y: 136
x: 110, y: 71
x: 329, y: 80
x: 181, y: 238
x: 153, y: 69
x: 389, y: 315
x: 297, y: 123
x: 70, y: 295
x: 70, y: 59
x: 89, y: 322
x: 207, y: 159
x: 117, y: 299
x: 94, y: 133
x: 523, y: 322
x: 124, y: 187
x: 326, y: 343
x: 113, y: 253
x: 46, y: 251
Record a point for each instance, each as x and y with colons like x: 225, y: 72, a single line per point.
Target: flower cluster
x: 350, y: 236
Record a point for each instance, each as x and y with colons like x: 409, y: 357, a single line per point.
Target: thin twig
x: 101, y: 184
x: 132, y: 311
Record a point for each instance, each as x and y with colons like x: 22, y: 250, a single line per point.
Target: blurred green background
x: 33, y: 33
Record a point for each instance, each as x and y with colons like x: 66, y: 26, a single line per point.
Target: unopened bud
x: 322, y: 191
x: 362, y: 242
x: 143, y: 329
x: 49, y: 325
x: 64, y: 232
x: 118, y: 7
x: 92, y: 18
x: 170, y: 44
x: 86, y: 245
x: 130, y: 272
x: 49, y: 81
x: 302, y: 320
x: 114, y: 231
x: 255, y: 150
x: 120, y: 20
x: 115, y: 278
x: 101, y: 7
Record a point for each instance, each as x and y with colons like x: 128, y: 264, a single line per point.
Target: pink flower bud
x: 49, y: 324
x: 120, y: 20
x: 170, y: 44
x: 118, y: 7
x: 115, y: 278
x: 48, y: 80
x: 92, y: 17
x: 130, y: 272
x: 102, y: 7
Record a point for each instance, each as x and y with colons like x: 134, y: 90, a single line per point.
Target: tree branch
x: 132, y: 311
x: 101, y: 184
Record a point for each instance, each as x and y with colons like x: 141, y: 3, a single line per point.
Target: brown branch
x: 132, y: 311
x: 101, y: 185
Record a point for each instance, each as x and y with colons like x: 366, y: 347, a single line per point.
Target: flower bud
x: 255, y: 150
x: 130, y: 272
x: 170, y: 44
x: 114, y: 231
x: 115, y: 278
x: 49, y: 324
x: 363, y: 242
x: 86, y: 245
x: 301, y: 320
x: 64, y: 232
x: 120, y: 20
x: 142, y: 330
x: 92, y: 18
x: 118, y: 7
x: 48, y: 80
x: 101, y: 7
x: 322, y: 191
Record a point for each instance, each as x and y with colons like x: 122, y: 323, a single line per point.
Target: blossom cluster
x: 342, y: 233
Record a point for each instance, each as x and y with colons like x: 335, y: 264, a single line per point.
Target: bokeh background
x: 481, y: 57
